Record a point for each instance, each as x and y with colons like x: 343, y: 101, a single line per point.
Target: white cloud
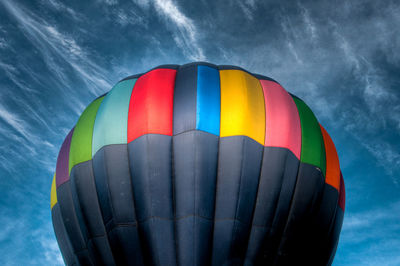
x: 310, y: 25
x: 185, y: 34
x: 248, y: 7
x: 52, y: 254
x: 291, y: 36
x: 44, y: 36
x: 63, y: 8
x: 15, y: 122
x: 370, y: 237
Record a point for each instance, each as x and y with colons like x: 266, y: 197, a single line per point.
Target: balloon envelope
x: 197, y: 165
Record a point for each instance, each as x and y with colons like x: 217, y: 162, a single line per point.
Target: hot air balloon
x: 197, y: 164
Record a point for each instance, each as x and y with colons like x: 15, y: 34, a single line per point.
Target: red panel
x: 342, y: 193
x: 151, y: 104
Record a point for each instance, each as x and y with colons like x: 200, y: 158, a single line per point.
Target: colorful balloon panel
x: 197, y: 165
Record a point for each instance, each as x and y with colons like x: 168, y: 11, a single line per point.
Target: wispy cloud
x: 52, y: 254
x: 291, y: 35
x: 59, y: 6
x: 184, y: 30
x: 248, y: 7
x: 45, y: 36
x: 309, y: 23
x: 369, y: 237
x: 16, y: 123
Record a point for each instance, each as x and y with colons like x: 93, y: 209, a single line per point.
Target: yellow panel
x: 53, y: 193
x: 242, y: 105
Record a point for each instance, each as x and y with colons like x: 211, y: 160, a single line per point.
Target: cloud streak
x: 184, y: 31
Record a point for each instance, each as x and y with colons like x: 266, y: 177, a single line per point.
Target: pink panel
x: 282, y: 127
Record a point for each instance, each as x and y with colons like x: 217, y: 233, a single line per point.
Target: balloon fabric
x: 197, y: 164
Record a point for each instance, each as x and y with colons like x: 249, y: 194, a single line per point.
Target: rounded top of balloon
x: 197, y: 164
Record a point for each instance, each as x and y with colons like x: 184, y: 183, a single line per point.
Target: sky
x: 341, y: 57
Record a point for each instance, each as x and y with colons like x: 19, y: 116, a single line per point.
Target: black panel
x: 83, y: 222
x: 275, y: 191
x: 124, y: 240
x: 114, y: 187
x: 195, y: 158
x: 83, y: 180
x: 77, y: 235
x: 239, y: 165
x: 150, y: 165
x: 296, y: 242
x: 333, y: 239
x: 62, y: 236
x: 119, y: 183
x: 101, y: 181
x: 167, y: 66
x: 322, y: 225
x: 85, y: 258
x: 185, y: 99
x: 131, y: 77
x: 200, y: 63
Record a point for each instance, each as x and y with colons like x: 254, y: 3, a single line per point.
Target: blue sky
x: 341, y: 57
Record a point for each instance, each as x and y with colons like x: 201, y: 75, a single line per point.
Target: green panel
x: 81, y: 143
x: 312, y: 142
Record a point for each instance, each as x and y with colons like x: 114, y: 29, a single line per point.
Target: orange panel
x: 332, y: 176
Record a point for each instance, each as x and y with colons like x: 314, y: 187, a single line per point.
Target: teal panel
x: 111, y: 123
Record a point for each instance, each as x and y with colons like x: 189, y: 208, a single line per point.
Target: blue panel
x: 208, y: 100
x: 111, y: 124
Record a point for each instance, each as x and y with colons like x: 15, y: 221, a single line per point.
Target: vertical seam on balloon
x: 86, y: 223
x: 293, y: 193
x: 133, y: 201
x: 194, y: 202
x: 110, y: 199
x: 94, y: 178
x: 94, y: 181
x: 91, y: 165
x: 73, y: 251
x: 332, y: 227
x: 130, y: 172
x: 108, y: 189
x: 64, y: 232
x: 288, y: 214
x: 194, y: 174
x: 85, y: 241
x: 196, y: 125
x: 173, y: 179
x: 67, y: 184
x: 333, y: 218
x: 149, y: 186
x: 259, y: 176
x: 332, y: 222
x: 243, y: 152
x: 217, y: 169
